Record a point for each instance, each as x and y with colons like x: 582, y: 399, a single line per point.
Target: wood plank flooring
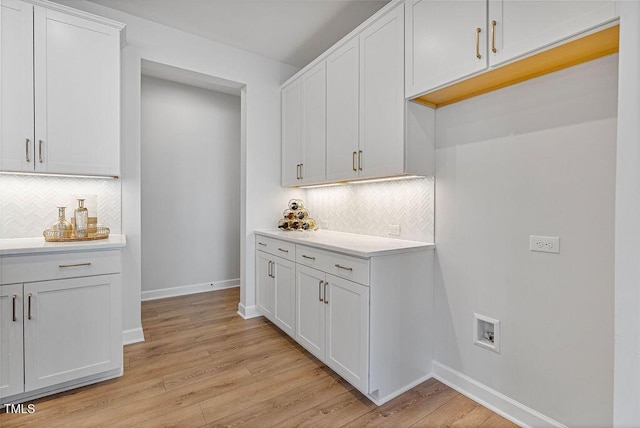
x: 203, y: 366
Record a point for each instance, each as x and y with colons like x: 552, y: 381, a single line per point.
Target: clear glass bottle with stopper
x: 82, y: 219
x: 62, y: 227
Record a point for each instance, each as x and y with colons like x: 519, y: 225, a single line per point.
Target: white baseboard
x: 505, y: 406
x: 134, y: 335
x: 247, y: 312
x: 381, y: 401
x: 189, y: 289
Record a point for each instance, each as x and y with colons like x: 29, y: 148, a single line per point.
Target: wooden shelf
x: 592, y: 46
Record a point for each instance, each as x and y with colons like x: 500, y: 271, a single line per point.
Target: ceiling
x: 290, y: 31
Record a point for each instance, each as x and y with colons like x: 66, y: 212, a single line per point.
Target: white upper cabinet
x: 521, y: 27
x: 60, y: 91
x: 445, y: 41
x: 304, y: 128
x: 16, y: 109
x: 343, y: 112
x: 381, y: 97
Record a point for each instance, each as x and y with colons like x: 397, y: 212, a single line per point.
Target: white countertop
x: 348, y: 243
x: 39, y: 245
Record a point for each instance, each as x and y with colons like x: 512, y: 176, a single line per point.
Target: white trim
x: 381, y: 401
x: 247, y: 312
x: 507, y: 407
x: 78, y: 13
x: 189, y: 289
x: 133, y: 335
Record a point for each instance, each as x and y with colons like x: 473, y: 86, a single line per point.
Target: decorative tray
x: 61, y: 236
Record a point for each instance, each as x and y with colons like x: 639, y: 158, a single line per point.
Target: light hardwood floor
x: 203, y: 365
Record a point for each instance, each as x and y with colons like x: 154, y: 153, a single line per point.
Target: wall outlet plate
x: 393, y: 230
x: 324, y: 224
x: 544, y: 244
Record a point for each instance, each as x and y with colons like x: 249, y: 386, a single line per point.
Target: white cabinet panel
x: 310, y: 309
x: 382, y: 96
x: 11, y: 344
x: 16, y: 109
x: 525, y: 26
x: 347, y: 330
x: 77, y: 93
x: 72, y: 329
x: 312, y: 168
x: 291, y: 133
x: 342, y: 112
x: 441, y: 42
x: 285, y: 295
x: 265, y: 284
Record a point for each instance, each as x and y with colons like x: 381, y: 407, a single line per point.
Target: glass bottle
x: 62, y: 227
x: 82, y: 219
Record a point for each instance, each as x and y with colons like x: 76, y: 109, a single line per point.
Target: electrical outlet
x: 545, y: 244
x: 324, y: 224
x: 393, y: 230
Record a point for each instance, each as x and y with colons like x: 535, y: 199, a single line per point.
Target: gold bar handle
x: 284, y: 251
x: 360, y: 160
x: 298, y: 172
x: 29, y: 307
x: 353, y: 161
x: 26, y: 147
x: 262, y: 243
x: 308, y: 257
x: 13, y: 298
x: 343, y: 267
x: 40, y: 143
x: 320, y: 291
x: 301, y: 166
x: 478, y: 30
x: 493, y: 36
x: 326, y: 298
x: 72, y: 266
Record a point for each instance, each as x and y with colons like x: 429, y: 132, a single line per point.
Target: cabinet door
x: 342, y: 112
x: 441, y: 42
x: 347, y: 330
x: 72, y: 329
x: 265, y: 284
x: 11, y: 348
x: 525, y: 26
x: 285, y: 295
x: 310, y: 310
x: 382, y: 96
x: 16, y: 90
x: 77, y: 95
x: 291, y: 133
x: 313, y: 125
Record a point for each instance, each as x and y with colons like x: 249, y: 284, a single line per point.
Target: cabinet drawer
x: 348, y: 267
x: 279, y: 248
x: 43, y: 267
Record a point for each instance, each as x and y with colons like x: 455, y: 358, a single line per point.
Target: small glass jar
x: 82, y: 220
x: 62, y: 228
x: 283, y: 224
x: 302, y: 213
x: 289, y: 214
x: 308, y: 224
x: 296, y: 204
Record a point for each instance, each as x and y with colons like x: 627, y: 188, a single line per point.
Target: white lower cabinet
x: 276, y: 290
x: 333, y: 323
x: 364, y: 317
x: 62, y: 324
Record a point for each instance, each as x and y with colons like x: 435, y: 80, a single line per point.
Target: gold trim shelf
x: 55, y: 235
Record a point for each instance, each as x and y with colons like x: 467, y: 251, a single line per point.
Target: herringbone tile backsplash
x: 370, y: 208
x: 28, y: 202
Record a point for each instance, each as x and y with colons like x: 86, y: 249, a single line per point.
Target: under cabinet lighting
x: 372, y: 180
x: 316, y: 186
x: 39, y: 174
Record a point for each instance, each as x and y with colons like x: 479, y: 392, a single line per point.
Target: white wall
x: 369, y: 208
x: 537, y: 158
x: 190, y: 188
x: 627, y: 233
x: 261, y: 193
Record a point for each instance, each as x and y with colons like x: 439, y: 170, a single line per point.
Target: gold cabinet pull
x: 478, y: 30
x: 29, y: 306
x: 262, y: 243
x: 13, y: 298
x: 26, y: 147
x: 493, y: 36
x: 320, y: 290
x: 301, y: 166
x: 284, y: 251
x: 75, y: 265
x: 343, y: 267
x: 353, y: 161
x: 40, y: 143
x: 308, y: 257
x: 326, y: 298
x: 360, y: 160
x: 298, y: 172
